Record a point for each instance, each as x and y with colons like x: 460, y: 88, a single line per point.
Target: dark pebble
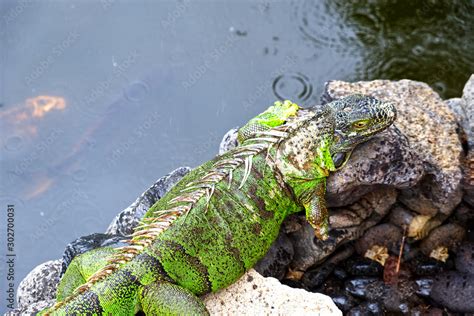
x: 343, y: 302
x: 375, y: 308
x: 423, y: 265
x: 367, y: 308
x: 360, y: 266
x: 340, y: 273
x: 314, y: 279
x: 359, y: 287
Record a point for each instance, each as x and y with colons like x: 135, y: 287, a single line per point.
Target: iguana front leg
x: 310, y: 194
x: 317, y: 213
x: 274, y: 116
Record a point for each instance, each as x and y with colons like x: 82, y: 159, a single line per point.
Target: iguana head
x: 357, y: 118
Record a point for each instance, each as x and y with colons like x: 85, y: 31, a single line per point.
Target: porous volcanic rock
x: 254, y: 294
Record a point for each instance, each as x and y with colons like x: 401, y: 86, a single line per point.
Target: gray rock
x: 40, y: 284
x: 468, y: 178
x: 466, y: 109
x: 458, y: 108
x: 385, y: 160
x: 254, y: 294
x: 465, y: 258
x: 468, y: 104
x: 277, y: 259
x: 127, y: 219
x: 448, y: 236
x: 454, y: 291
x: 31, y: 309
x: 429, y: 127
x: 384, y: 235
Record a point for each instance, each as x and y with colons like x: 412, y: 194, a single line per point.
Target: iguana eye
x: 359, y: 124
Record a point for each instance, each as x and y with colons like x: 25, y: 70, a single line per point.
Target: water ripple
x: 295, y: 87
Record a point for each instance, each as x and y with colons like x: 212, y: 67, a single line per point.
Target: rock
x: 423, y: 265
x: 40, y: 284
x: 399, y: 298
x: 385, y: 235
x: 229, y: 141
x: 468, y: 180
x: 277, y: 259
x: 387, y: 159
x: 468, y: 106
x: 447, y: 236
x: 365, y: 287
x: 453, y: 290
x: 468, y: 125
x: 89, y: 242
x: 313, y: 279
x: 359, y: 266
x: 368, y: 211
x: 370, y: 208
x: 254, y: 294
x: 465, y: 258
x: 31, y: 309
x: 126, y: 220
x: 344, y: 302
x: 369, y: 308
x: 421, y: 148
x: 457, y: 106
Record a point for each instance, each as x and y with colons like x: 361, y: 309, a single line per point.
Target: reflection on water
x: 429, y: 41
x: 22, y: 120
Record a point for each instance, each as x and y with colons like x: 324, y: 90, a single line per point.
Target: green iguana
x: 223, y: 216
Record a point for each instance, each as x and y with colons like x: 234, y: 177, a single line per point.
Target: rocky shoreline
x: 402, y: 213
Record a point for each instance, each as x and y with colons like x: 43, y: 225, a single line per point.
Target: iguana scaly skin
x: 222, y: 217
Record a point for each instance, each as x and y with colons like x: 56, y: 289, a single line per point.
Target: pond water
x: 98, y: 99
